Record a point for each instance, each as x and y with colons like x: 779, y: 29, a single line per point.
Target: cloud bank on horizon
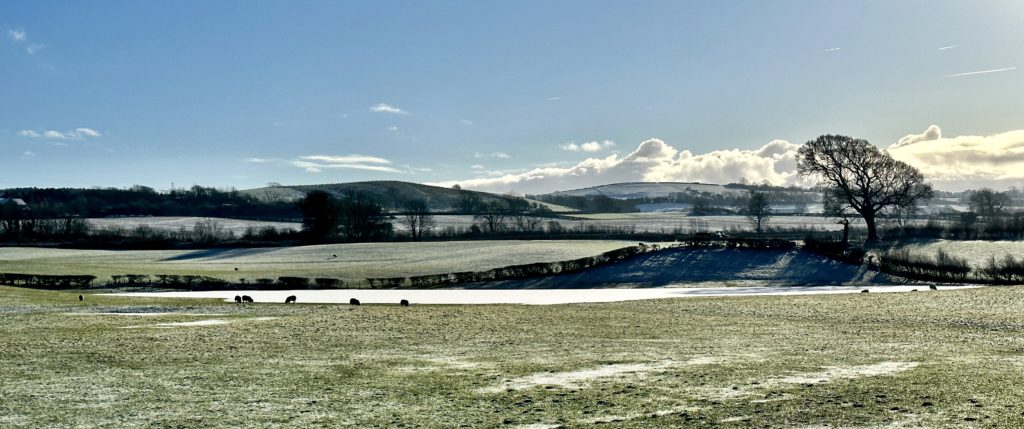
x: 953, y: 163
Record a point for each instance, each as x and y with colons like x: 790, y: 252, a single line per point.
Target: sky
x: 525, y: 96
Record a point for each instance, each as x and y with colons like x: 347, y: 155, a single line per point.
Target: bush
x: 328, y: 283
x: 943, y: 267
x: 293, y: 282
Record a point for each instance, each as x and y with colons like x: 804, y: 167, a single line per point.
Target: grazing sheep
x: 236, y: 268
x: 238, y: 299
x: 353, y: 301
x: 290, y: 300
x: 81, y: 297
x: 404, y: 303
x: 913, y: 290
x: 933, y: 287
x: 247, y: 298
x: 864, y: 291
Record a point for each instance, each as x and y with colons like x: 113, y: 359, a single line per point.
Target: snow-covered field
x: 174, y: 223
x: 351, y: 262
x: 527, y: 297
x: 976, y: 252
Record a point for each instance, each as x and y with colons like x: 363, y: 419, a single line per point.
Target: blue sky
x: 527, y: 96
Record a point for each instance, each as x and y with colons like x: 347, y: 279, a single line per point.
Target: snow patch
x: 570, y: 379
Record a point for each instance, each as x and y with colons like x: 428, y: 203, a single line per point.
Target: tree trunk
x: 846, y: 233
x: 872, y: 229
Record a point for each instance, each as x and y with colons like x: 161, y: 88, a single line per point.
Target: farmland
x: 928, y: 359
x: 176, y: 223
x: 350, y: 262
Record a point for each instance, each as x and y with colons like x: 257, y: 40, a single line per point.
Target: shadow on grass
x: 216, y: 254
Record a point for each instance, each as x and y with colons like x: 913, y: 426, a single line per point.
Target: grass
x: 931, y: 359
x: 354, y: 262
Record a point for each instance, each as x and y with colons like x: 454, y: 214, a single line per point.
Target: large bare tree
x: 863, y: 178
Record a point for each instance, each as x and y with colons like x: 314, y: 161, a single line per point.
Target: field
x: 350, y: 262
x: 977, y: 252
x: 173, y: 223
x: 927, y: 359
x: 669, y: 221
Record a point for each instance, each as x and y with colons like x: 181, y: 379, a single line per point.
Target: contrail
x: 948, y: 47
x: 981, y: 72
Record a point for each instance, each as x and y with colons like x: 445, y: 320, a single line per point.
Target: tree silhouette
x: 864, y: 178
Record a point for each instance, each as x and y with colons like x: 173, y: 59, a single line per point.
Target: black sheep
x: 247, y: 298
x: 290, y: 300
x: 238, y: 299
x: 353, y: 301
x: 81, y: 297
x: 404, y: 303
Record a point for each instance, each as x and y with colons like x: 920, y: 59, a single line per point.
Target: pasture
x: 350, y: 262
x: 925, y: 359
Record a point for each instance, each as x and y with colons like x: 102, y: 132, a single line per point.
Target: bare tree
x: 417, y: 218
x: 526, y: 222
x: 834, y: 206
x: 492, y: 217
x: 988, y: 203
x: 865, y: 179
x: 757, y: 210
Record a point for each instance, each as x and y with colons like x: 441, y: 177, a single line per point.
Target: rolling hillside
x: 391, y: 194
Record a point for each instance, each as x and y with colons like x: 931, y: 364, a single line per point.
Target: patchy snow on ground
x: 569, y: 379
x: 847, y: 372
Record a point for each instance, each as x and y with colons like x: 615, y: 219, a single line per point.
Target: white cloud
x: 554, y: 98
x: 257, y: 160
x: 466, y: 122
x: 943, y: 48
x: 477, y: 167
x: 17, y: 35
x: 75, y: 134
x: 387, y: 108
x: 393, y: 128
x: 318, y: 163
x: 831, y: 49
x: 962, y: 162
x: 28, y: 154
x: 499, y: 155
x: 594, y: 146
x: 35, y: 47
x: 652, y: 161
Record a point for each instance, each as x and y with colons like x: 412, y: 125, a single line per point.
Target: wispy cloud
x: 466, y: 122
x: 318, y: 163
x: 499, y: 155
x: 28, y: 154
x: 387, y: 108
x: 17, y: 35
x: 393, y: 128
x: 594, y: 146
x: 943, y: 48
x: 831, y: 49
x: 554, y: 98
x: 80, y: 133
x: 972, y: 73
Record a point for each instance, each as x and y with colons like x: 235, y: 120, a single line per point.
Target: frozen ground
x: 175, y: 223
x: 527, y: 296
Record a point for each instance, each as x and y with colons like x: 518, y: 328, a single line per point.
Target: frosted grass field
x: 525, y: 296
x: 350, y: 262
x: 977, y: 252
x: 172, y: 223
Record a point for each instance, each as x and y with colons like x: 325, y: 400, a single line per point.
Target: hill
x: 633, y: 190
x: 392, y: 194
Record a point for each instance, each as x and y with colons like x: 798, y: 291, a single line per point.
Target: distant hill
x: 389, y: 193
x: 630, y: 190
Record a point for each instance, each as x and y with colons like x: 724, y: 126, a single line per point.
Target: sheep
x: 247, y: 298
x: 81, y: 297
x: 238, y: 299
x: 404, y: 303
x: 913, y: 290
x: 933, y: 287
x: 864, y: 291
x: 353, y: 301
x: 290, y: 300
